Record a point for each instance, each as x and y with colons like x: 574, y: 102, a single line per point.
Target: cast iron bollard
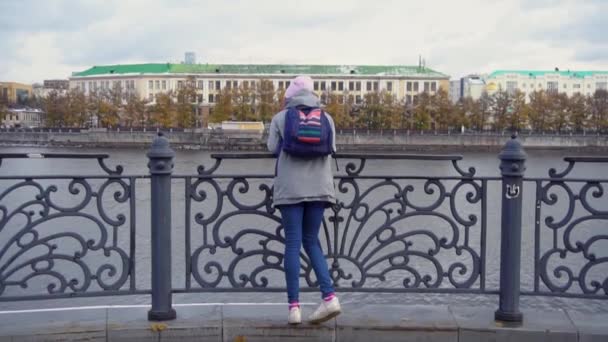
x: 161, y: 166
x: 512, y: 167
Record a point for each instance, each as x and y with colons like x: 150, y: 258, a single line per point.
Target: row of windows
x: 554, y: 85
x: 318, y: 85
x: 23, y: 117
x: 105, y: 85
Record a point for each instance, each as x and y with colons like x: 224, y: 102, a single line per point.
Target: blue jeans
x: 301, y: 223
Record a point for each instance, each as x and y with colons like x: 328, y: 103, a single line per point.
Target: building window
x: 368, y: 86
x: 358, y: 86
x: 408, y: 99
x: 333, y: 85
x: 157, y: 85
x: 210, y: 98
x: 552, y: 86
x: 576, y: 86
x: 180, y: 84
x: 281, y: 84
x: 511, y: 86
x: 415, y: 86
x: 199, y: 98
x: 351, y: 99
x: 341, y: 86
x: 228, y: 84
x: 415, y: 100
x: 200, y: 85
x: 341, y: 99
x: 601, y: 85
x: 218, y: 85
x: 427, y: 87
x: 376, y: 86
x: 323, y: 85
x: 235, y: 84
x: 316, y: 85
x: 389, y: 86
x: 210, y: 85
x: 409, y: 86
x: 523, y: 85
x: 164, y: 85
x: 150, y: 84
x: 433, y: 86
x: 588, y: 86
x: 351, y: 85
x: 246, y: 84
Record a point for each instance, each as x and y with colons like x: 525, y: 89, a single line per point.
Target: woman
x: 303, y: 188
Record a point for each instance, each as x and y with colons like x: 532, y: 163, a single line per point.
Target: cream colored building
x: 569, y: 82
x: 14, y: 93
x: 147, y: 80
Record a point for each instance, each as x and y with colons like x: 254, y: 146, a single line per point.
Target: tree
x: 267, y: 106
x: 135, y: 111
x: 577, y: 109
x: 559, y: 111
x: 185, y: 110
x: 244, y: 103
x: 598, y: 108
x: 422, y: 116
x: 443, y: 109
x: 518, y: 112
x: 223, y: 109
x: 163, y: 112
x: 539, y: 110
x: 55, y: 108
x: 500, y: 109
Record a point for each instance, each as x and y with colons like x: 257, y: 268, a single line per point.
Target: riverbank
x: 267, y: 322
x: 358, y: 141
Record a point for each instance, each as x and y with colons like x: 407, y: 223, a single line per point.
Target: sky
x: 50, y: 39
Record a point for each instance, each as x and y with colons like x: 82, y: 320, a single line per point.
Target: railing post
x: 512, y: 167
x: 161, y: 166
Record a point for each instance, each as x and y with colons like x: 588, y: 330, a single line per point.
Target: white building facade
x: 527, y: 81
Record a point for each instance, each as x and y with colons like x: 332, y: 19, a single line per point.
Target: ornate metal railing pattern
x: 572, y: 261
x: 386, y: 233
x: 369, y: 241
x: 58, y: 237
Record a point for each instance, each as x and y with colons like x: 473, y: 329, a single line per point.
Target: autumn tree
x: 267, y: 106
x: 135, y: 111
x: 517, y: 114
x: 577, y: 110
x: 539, y: 110
x: 163, y: 111
x: 598, y: 109
x: 223, y: 109
x: 185, y: 108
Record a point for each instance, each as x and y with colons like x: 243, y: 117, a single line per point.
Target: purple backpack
x: 307, y: 133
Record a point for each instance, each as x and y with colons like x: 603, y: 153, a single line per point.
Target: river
x: 134, y: 162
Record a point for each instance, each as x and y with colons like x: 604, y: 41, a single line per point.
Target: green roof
x: 536, y: 73
x: 245, y: 69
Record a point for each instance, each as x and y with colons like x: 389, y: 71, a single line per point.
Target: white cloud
x: 52, y: 38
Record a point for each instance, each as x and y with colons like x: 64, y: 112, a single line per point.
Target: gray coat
x: 300, y: 179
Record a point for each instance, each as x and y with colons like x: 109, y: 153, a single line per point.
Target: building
x: 455, y: 91
x: 469, y: 86
x: 24, y: 117
x: 148, y: 80
x: 569, y: 82
x: 14, y: 93
x: 48, y: 86
x: 190, y: 58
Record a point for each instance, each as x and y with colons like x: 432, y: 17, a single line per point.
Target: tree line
x: 259, y: 101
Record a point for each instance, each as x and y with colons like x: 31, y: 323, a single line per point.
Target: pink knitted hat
x: 297, y: 84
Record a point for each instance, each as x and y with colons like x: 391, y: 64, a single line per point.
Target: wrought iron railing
x: 387, y: 232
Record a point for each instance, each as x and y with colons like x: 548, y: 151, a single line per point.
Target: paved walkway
x: 257, y: 322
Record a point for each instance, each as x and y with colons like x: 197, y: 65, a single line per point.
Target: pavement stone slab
x: 379, y: 323
x: 131, y: 324
x: 478, y: 324
x: 194, y: 323
x: 253, y: 323
x: 592, y: 327
x: 64, y: 325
